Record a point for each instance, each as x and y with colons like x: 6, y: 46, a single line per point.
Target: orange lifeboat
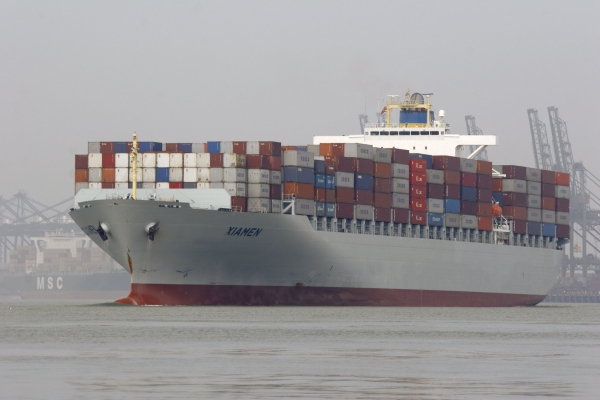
x: 496, y: 210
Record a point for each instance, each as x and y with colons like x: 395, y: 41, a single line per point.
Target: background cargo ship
x: 349, y: 220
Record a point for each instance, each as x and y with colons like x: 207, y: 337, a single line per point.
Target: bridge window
x: 414, y: 133
x: 394, y: 133
x: 385, y: 133
x: 375, y: 133
x: 435, y: 132
x: 404, y: 133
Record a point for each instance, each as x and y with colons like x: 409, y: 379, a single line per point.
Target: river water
x: 97, y: 350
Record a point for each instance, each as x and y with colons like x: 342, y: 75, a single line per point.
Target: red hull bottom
x: 212, y: 295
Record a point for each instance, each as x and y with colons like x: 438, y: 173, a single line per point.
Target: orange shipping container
x: 548, y: 203
x: 301, y: 190
x: 320, y: 195
x: 81, y: 175
x: 560, y: 178
x: 496, y: 185
x: 108, y: 174
x: 484, y: 223
x: 383, y: 200
x: 331, y: 149
x: 238, y: 204
x: 513, y: 212
x: 451, y: 177
x: 484, y: 167
x: 484, y: 209
x: 239, y: 147
x: 383, y: 170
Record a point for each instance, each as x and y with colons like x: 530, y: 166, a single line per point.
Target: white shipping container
x: 190, y: 175
x: 435, y: 176
x: 400, y: 171
x: 252, y: 148
x: 563, y: 218
x: 435, y: 206
x: 382, y: 155
x: 175, y: 174
x: 148, y: 175
x: 297, y: 158
x: 162, y: 185
x: 232, y: 160
x: 514, y: 185
x: 234, y: 175
x: 258, y: 190
x: 468, y: 165
x: 258, y: 205
x: 304, y: 207
x: 534, y: 215
x: 344, y: 179
x: 210, y: 174
x: 149, y: 185
x: 95, y: 185
x: 162, y: 160
x: 226, y: 147
x: 190, y: 160
x: 275, y: 177
x: 468, y: 222
x: 533, y: 174
x: 534, y: 201
x: 94, y: 174
x: 548, y: 216
x: 276, y: 206
x: 122, y: 160
x: 358, y: 150
x: 81, y: 185
x: 148, y: 160
x: 314, y: 148
x: 94, y: 160
x: 204, y: 160
x: 235, y: 189
x: 197, y: 147
x: 562, y: 192
x: 363, y: 212
x: 400, y: 200
x: 400, y: 186
x: 534, y: 188
x: 452, y: 220
x: 211, y: 185
x: 122, y: 175
x: 176, y: 160
x: 258, y: 175
x: 93, y: 147
x: 121, y: 185
x: 139, y: 174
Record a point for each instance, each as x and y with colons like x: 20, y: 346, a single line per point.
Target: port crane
x: 473, y: 129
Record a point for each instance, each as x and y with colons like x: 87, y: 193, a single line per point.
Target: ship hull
x: 204, y: 257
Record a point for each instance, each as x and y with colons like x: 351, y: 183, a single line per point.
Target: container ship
x: 401, y: 215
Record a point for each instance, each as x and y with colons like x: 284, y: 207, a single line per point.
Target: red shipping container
x: 344, y: 210
x: 331, y: 149
x: 257, y: 161
x: 205, y: 147
x: 548, y: 203
x: 275, y: 192
x: 484, y: 195
x: 108, y: 185
x: 342, y: 164
x: 383, y: 185
x: 362, y: 166
x: 520, y: 226
x: 383, y: 170
x: 548, y: 176
x: 320, y: 195
x: 363, y: 197
x: 563, y: 231
x: 400, y: 215
x: 216, y: 160
x: 108, y: 175
x: 400, y: 156
x: 418, y: 204
x: 329, y: 167
x: 300, y: 190
x: 468, y: 179
x: 383, y: 214
x: 484, y: 167
x: 239, y: 147
x: 418, y: 192
x: 344, y: 195
x: 269, y: 148
x: 484, y: 223
x: 435, y: 191
x: 560, y: 178
x: 81, y: 161
x: 274, y: 163
x: 175, y: 185
x: 81, y: 175
x: 517, y: 213
x: 514, y: 199
x: 418, y: 218
x: 107, y: 147
x: 448, y: 163
x: 484, y: 209
x: 515, y: 172
x: 330, y: 195
x: 484, y: 181
x: 418, y: 178
x: 452, y: 192
x: 382, y: 200
x: 238, y: 204
x: 171, y: 147
x: 452, y: 177
x: 548, y: 189
x: 496, y: 185
x: 417, y: 165
x: 468, y: 207
x: 108, y: 160
x: 562, y: 205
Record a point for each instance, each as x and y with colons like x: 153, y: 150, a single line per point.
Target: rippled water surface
x: 74, y: 350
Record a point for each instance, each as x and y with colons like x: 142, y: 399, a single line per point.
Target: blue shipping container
x: 549, y: 230
x: 330, y: 181
x: 320, y: 208
x: 428, y: 158
x: 468, y: 193
x: 452, y: 206
x: 319, y: 167
x: 162, y: 174
x: 301, y: 148
x: 121, y: 147
x: 184, y: 147
x: 213, y: 147
x: 435, y: 219
x: 362, y: 181
x: 320, y: 181
x: 497, y: 196
x: 145, y: 147
x: 157, y: 146
x: 299, y: 174
x: 330, y: 210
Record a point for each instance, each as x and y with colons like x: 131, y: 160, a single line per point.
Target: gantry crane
x: 472, y: 129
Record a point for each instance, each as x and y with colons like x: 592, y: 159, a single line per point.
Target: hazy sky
x: 192, y: 71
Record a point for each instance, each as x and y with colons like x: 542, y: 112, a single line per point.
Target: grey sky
x: 185, y: 71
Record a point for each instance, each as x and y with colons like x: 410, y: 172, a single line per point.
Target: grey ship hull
x: 203, y: 257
